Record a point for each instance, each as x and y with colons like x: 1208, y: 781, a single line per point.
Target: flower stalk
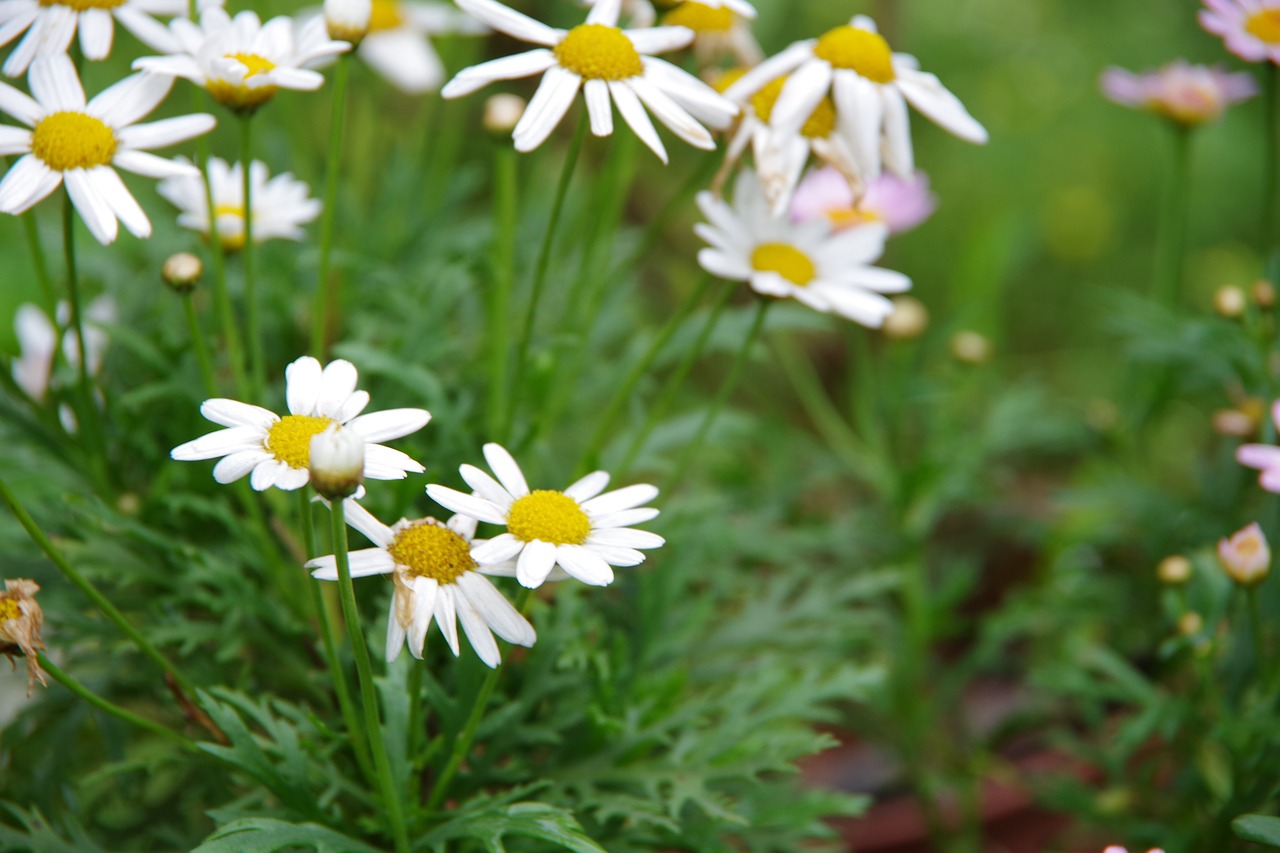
x: 328, y: 294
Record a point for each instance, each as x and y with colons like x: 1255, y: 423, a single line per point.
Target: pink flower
x: 1250, y: 28
x: 900, y: 203
x: 1264, y: 457
x: 1116, y: 848
x: 1188, y: 94
x: 1245, y: 557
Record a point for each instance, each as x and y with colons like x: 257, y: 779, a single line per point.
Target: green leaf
x: 1260, y: 829
x: 36, y: 835
x: 489, y: 823
x: 264, y: 835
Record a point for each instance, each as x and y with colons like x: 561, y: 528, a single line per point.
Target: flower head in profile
x: 436, y: 578
x: 578, y: 530
x: 1265, y: 457
x: 1184, y: 93
x: 721, y: 28
x: 610, y: 65
x: 870, y: 87
x: 281, y: 205
x: 78, y: 142
x: 900, y: 203
x: 806, y: 261
x: 243, y: 62
x: 1245, y: 556
x: 276, y: 451
x: 50, y: 25
x: 21, y: 620
x: 1250, y: 28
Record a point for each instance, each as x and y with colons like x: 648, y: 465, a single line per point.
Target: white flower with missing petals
x: 436, y: 578
x: 870, y: 87
x: 610, y: 65
x: 579, y: 529
x: 276, y: 451
x: 50, y: 26
x: 79, y: 143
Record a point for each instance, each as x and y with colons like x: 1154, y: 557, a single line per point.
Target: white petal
x: 660, y: 39
x: 605, y: 12
x: 584, y: 565
x: 477, y: 631
x: 898, y: 153
x: 129, y: 100
x: 800, y: 96
x: 383, y: 426
x: 302, y: 385
x: 362, y: 563
x: 535, y: 563
x: 446, y: 614
x: 625, y: 518
x: 55, y: 84
x: 405, y: 58
x: 769, y: 70
x: 620, y: 499
x: 365, y: 522
x: 96, y: 30
x: 476, y: 77
x: 233, y: 413
x: 511, y: 22
x: 674, y: 116
x: 337, y: 383
x: 122, y: 203
x: 147, y: 29
x: 869, y: 309
x: 219, y: 443
x: 24, y: 184
x: 860, y: 109
x: 930, y: 97
x: 485, y: 486
x: 426, y: 595
x: 499, y: 549
x: 633, y: 113
x: 236, y: 465
x: 626, y: 538
x: 267, y: 475
x: 166, y: 132
x: 547, y: 106
x: 589, y: 486
x: 599, y: 108
x: 506, y: 469
x: 505, y: 620
x: 387, y: 463
x: 151, y: 166
x: 19, y: 105
x: 395, y: 634
x: 875, y: 279
x: 479, y: 509
x: 93, y: 209
x: 705, y: 103
x: 616, y: 555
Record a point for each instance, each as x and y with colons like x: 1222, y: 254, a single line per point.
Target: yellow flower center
x: 290, y: 438
x: 82, y: 5
x: 548, y: 516
x: 71, y: 140
x: 239, y: 96
x: 785, y: 260
x: 428, y: 549
x: 727, y: 78
x: 700, y: 18
x: 857, y: 50
x: 1264, y: 25
x: 821, y: 122
x: 9, y: 609
x: 386, y: 16
x: 848, y: 217
x: 597, y: 52
x: 231, y: 240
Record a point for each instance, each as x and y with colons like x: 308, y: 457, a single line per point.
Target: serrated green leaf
x: 265, y: 835
x: 490, y: 823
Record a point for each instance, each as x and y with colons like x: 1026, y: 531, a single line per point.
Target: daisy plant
x: 51, y: 26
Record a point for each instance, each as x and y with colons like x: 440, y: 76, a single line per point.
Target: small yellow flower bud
x: 1190, y: 624
x: 971, y: 347
x: 909, y: 319
x: 1245, y: 557
x: 1174, y: 570
x: 502, y: 113
x: 1264, y: 293
x: 182, y: 271
x: 20, y: 622
x: 1229, y: 301
x: 348, y: 20
x: 337, y: 462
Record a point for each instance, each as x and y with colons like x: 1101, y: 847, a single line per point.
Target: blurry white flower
x: 1187, y: 94
x: 802, y: 261
x: 720, y: 29
x: 241, y: 61
x: 51, y: 24
x: 275, y: 451
x: 398, y: 44
x: 38, y: 340
x: 579, y: 530
x: 1250, y: 28
x: 1245, y: 556
x: 610, y: 65
x: 640, y: 13
x: 436, y: 578
x: 347, y: 20
x: 870, y: 87
x: 900, y: 203
x: 281, y: 205
x: 79, y: 143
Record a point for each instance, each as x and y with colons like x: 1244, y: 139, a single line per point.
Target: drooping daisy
x: 1181, y: 92
x: 579, y: 529
x: 241, y: 61
x: 720, y: 29
x: 398, y: 44
x: 274, y: 450
x: 870, y: 87
x: 79, y: 142
x: 435, y: 578
x: 900, y: 203
x: 51, y: 24
x: 610, y: 65
x: 1250, y: 28
x: 802, y: 261
x: 281, y: 205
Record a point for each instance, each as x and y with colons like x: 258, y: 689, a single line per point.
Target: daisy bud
x: 971, y: 347
x: 182, y: 271
x: 348, y: 20
x: 1190, y: 624
x: 502, y: 113
x: 1245, y: 557
x: 20, y: 622
x: 337, y: 462
x: 1174, y: 570
x: 1234, y: 422
x: 1229, y: 301
x: 908, y: 320
x: 1264, y: 293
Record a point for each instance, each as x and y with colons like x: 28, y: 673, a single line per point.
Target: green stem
x: 543, y: 261
x: 328, y: 295
x: 1270, y: 240
x: 114, y: 710
x: 31, y: 232
x: 1173, y: 224
x: 221, y: 291
x: 505, y: 217
x: 253, y: 320
x: 364, y: 670
x: 72, y: 574
x: 1255, y: 628
x: 88, y: 415
x: 622, y: 396
x: 197, y: 343
x: 674, y: 383
x: 726, y: 388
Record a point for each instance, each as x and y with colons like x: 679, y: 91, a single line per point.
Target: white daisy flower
x: 79, y: 142
x: 281, y: 205
x: 610, y: 65
x: 38, y: 338
x: 802, y: 261
x: 398, y: 44
x: 642, y: 14
x: 870, y: 87
x: 275, y: 451
x: 580, y: 530
x: 241, y: 61
x: 51, y: 24
x: 435, y: 578
x: 720, y: 28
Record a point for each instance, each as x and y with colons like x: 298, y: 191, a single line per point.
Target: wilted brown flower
x: 20, y: 622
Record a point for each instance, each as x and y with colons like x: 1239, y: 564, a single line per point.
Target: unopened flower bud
x: 182, y: 271
x: 337, y: 462
x: 908, y: 319
x: 1245, y: 557
x: 1264, y: 293
x: 1234, y: 422
x: 971, y: 347
x: 1190, y: 624
x: 1174, y: 570
x: 1229, y: 301
x: 20, y: 622
x: 502, y: 113
x: 348, y: 20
